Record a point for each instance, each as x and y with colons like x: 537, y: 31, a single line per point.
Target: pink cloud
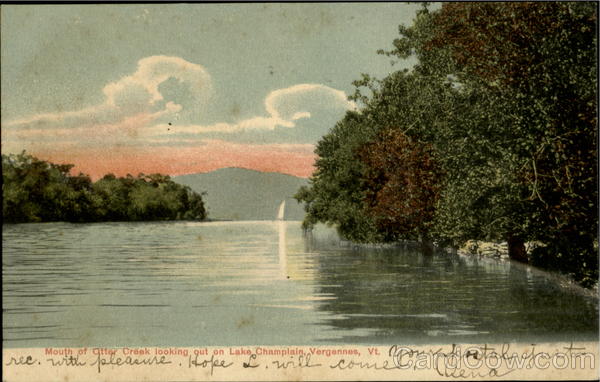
x: 293, y: 159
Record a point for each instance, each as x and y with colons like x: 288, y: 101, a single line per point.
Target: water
x: 251, y: 283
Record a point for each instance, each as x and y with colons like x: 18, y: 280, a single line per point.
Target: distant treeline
x: 491, y: 136
x: 34, y: 190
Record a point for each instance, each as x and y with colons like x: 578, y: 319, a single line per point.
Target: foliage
x: 491, y: 136
x: 37, y: 191
x: 536, y: 62
x: 336, y: 191
x: 403, y: 184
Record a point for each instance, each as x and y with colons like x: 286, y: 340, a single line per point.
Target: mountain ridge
x: 235, y: 193
x: 240, y: 168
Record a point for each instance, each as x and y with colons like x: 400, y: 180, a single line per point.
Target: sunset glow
x: 294, y: 160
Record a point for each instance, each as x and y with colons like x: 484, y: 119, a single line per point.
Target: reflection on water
x: 404, y: 296
x: 244, y: 283
x: 282, y: 251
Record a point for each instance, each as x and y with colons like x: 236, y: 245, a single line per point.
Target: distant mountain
x: 242, y: 194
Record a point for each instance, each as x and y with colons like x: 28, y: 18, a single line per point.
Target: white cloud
x: 153, y: 71
x: 300, y: 115
x: 283, y: 106
x: 131, y: 95
x: 134, y: 110
x: 280, y: 103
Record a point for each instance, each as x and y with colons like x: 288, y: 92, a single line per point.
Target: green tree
x: 111, y: 198
x: 337, y: 186
x: 34, y: 191
x: 503, y: 102
x: 535, y: 65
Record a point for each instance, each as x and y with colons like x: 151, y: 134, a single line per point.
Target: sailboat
x: 281, y: 211
x: 282, y: 245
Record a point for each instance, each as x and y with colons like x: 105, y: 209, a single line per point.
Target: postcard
x: 306, y: 191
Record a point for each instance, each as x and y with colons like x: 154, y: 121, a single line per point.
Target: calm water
x: 249, y: 283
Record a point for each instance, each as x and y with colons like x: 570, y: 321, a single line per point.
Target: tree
x: 538, y: 61
x: 403, y: 185
x: 501, y: 107
x: 111, y: 198
x: 337, y: 186
x: 36, y: 191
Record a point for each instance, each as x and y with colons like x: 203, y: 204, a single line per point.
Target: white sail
x: 281, y: 211
x: 281, y: 223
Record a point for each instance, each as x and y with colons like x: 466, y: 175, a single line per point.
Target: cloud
x: 285, y: 105
x: 131, y: 95
x: 151, y: 72
x: 125, y: 131
x: 134, y: 107
x: 135, y: 128
x: 283, y: 108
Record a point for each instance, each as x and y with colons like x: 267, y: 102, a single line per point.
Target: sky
x: 186, y: 88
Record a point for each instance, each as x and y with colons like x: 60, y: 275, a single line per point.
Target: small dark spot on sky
x: 235, y: 110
